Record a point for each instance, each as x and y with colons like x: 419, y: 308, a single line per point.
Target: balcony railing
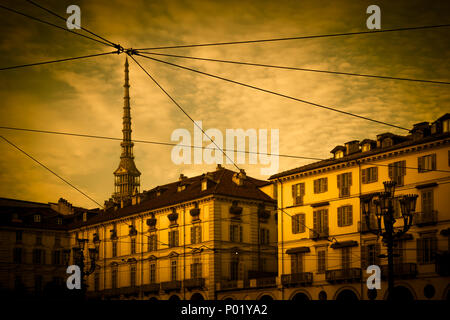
x: 343, y: 275
x: 232, y: 284
x: 425, y: 218
x: 266, y: 282
x: 151, y: 288
x: 401, y: 271
x: 194, y: 283
x: 297, y: 279
x: 318, y: 234
x: 171, y: 285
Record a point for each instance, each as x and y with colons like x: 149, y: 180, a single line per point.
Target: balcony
x: 197, y: 283
x: 265, y: 282
x: 171, y: 285
x: 151, y: 288
x: 343, y: 275
x: 297, y: 279
x: 318, y: 234
x: 425, y: 218
x: 401, y: 271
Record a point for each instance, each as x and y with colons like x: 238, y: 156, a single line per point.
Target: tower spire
x: 126, y: 175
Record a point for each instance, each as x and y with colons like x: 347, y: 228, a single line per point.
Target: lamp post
x: 383, y: 205
x: 78, y: 257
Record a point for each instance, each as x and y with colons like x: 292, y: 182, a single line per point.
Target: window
x: 321, y: 261
x: 344, y: 181
x: 369, y: 255
x: 339, y: 154
x: 298, y: 223
x: 235, y: 233
x: 204, y: 185
x: 17, y: 255
x: 426, y: 249
x: 369, y: 175
x: 152, y: 242
x: 397, y: 171
x: 39, y: 239
x: 264, y: 236
x: 196, y: 268
x: 114, y: 249
x: 173, y: 270
x: 133, y: 275
x: 59, y: 220
x: 297, y: 263
x: 19, y: 235
x: 446, y: 125
x: 426, y: 163
x: 173, y: 238
x: 320, y: 222
x: 234, y: 270
x: 365, y: 147
x: 321, y: 185
x: 57, y: 241
x: 345, y: 216
x: 346, y: 258
x: 196, y: 234
x: 387, y: 142
x: 84, y: 216
x: 152, y: 272
x: 56, y: 257
x: 38, y: 256
x: 97, y: 281
x: 37, y: 218
x: 399, y: 252
x: 397, y: 208
x: 133, y: 245
x: 114, y: 274
x: 38, y: 283
x: 298, y: 191
x: 427, y: 201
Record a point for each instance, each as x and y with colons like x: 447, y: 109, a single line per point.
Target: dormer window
x: 339, y: 154
x: 59, y: 220
x: 37, y: 218
x: 387, y: 143
x: 366, y: 147
x: 181, y: 188
x: 204, y: 185
x: 84, y: 216
x: 446, y: 125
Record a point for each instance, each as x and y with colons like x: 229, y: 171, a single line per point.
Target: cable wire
x: 53, y: 25
x: 298, y: 69
x: 64, y: 19
x: 59, y: 60
x: 300, y: 37
x: 275, y: 93
x: 48, y: 169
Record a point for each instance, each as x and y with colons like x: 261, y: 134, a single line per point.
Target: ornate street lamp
x: 383, y: 204
x: 78, y: 256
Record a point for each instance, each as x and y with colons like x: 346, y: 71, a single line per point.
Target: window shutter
x: 302, y: 223
x: 315, y: 221
x: 293, y: 191
x: 302, y: 189
x: 339, y: 181
x: 241, y: 234
x: 419, y: 251
x: 349, y: 176
x: 231, y: 233
x: 350, y: 215
x: 340, y: 217
x: 192, y: 235
x: 364, y: 175
x: 325, y: 184
x: 176, y: 239
x: 403, y: 169
x: 391, y: 170
x: 325, y: 220
x: 316, y: 186
x: 375, y: 173
x: 433, y: 250
x: 420, y: 164
x: 364, y: 256
x: 295, y: 224
x: 433, y: 161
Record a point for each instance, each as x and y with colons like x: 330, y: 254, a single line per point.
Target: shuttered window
x: 321, y: 185
x: 369, y: 175
x: 346, y: 257
x: 427, y: 201
x: 369, y: 254
x: 321, y: 261
x: 173, y: 270
x: 320, y: 222
x: 345, y: 216
x: 152, y: 242
x: 114, y: 249
x: 298, y: 223
x: 236, y: 233
x: 153, y: 273
x: 298, y: 191
x: 426, y: 250
x: 344, y: 182
x: 426, y: 163
x: 397, y: 170
x: 196, y: 268
x: 264, y: 236
x: 173, y: 238
x: 297, y: 263
x: 196, y: 234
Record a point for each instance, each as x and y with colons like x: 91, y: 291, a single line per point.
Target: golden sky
x: 86, y: 96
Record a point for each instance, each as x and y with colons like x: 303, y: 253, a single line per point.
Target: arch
x: 265, y: 297
x: 174, y: 297
x: 229, y: 298
x: 197, y: 297
x: 401, y: 293
x: 402, y: 284
x: 300, y: 296
x: 346, y: 294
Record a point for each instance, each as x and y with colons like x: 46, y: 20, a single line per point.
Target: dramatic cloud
x: 86, y: 96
